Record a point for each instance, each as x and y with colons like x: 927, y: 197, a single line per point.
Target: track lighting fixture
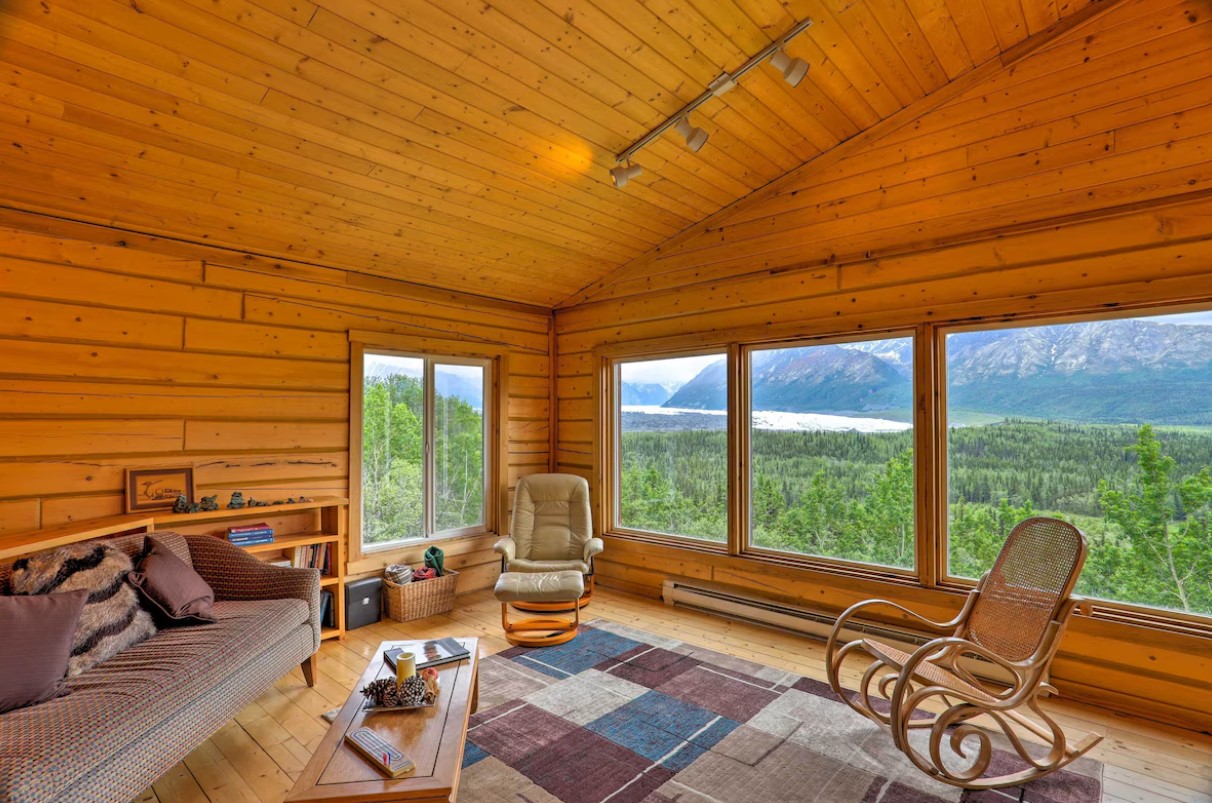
x: 695, y: 137
x: 623, y: 173
x: 793, y: 70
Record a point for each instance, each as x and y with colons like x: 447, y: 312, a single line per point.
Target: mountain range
x: 1120, y: 371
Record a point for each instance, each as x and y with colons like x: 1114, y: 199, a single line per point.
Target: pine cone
x: 381, y: 691
x: 412, y: 691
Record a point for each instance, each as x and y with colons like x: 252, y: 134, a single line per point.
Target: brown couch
x: 128, y: 720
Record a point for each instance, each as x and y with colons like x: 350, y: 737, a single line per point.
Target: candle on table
x: 406, y: 667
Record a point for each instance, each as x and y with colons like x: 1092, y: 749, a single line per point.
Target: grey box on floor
x: 363, y: 602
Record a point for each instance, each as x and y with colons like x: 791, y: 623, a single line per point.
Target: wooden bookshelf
x: 322, y: 520
x: 328, y: 526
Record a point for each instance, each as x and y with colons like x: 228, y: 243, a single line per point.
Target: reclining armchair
x: 552, y: 531
x: 1014, y: 619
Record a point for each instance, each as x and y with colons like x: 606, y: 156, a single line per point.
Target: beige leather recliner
x: 552, y: 531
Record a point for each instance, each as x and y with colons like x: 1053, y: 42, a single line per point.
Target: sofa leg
x: 309, y: 669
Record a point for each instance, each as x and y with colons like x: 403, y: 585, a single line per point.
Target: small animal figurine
x: 182, y: 504
x: 237, y: 501
x: 209, y: 503
x: 256, y: 502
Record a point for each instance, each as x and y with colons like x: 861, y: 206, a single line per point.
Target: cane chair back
x: 1033, y: 577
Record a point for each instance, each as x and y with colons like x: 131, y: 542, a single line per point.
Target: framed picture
x: 157, y: 488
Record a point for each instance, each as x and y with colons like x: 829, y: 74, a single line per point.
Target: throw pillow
x: 37, y: 642
x: 176, y: 593
x: 111, y: 620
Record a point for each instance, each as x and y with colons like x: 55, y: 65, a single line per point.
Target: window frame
x: 930, y: 437
x: 1112, y: 610
x: 610, y: 506
x: 495, y: 458
x: 745, y: 408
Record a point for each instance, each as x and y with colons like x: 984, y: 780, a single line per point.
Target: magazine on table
x: 429, y: 653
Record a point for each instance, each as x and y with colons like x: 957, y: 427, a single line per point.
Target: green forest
x: 1142, y: 497
x: 392, y: 461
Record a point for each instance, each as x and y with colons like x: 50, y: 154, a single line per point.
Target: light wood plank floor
x: 256, y: 756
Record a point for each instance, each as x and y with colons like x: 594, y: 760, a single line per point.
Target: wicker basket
x: 420, y: 598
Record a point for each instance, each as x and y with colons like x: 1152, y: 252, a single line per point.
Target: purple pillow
x: 38, y: 632
x: 177, y: 594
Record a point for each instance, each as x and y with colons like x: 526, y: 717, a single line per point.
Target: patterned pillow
x: 112, y: 619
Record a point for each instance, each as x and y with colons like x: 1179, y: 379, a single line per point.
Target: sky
x: 672, y: 371
x: 1198, y: 318
x: 382, y: 365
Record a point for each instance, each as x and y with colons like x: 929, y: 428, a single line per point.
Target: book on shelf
x: 250, y: 528
x: 328, y: 613
x: 267, y: 539
x: 314, y: 556
x: 283, y: 562
x: 429, y: 653
x: 250, y: 535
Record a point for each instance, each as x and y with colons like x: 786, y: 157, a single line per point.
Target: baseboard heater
x: 801, y: 621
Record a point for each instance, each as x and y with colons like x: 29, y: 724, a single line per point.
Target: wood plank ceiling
x: 454, y: 143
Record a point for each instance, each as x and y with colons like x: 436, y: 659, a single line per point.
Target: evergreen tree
x: 1172, y: 558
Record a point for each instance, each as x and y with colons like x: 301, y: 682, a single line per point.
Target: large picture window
x: 825, y: 454
x: 1106, y: 424
x: 672, y: 464
x: 425, y: 425
x: 831, y: 445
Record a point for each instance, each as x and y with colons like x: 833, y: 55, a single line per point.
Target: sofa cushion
x: 112, y: 619
x: 37, y: 642
x: 49, y: 747
x: 173, y: 591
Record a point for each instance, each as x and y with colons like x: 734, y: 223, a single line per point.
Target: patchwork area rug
x: 625, y: 716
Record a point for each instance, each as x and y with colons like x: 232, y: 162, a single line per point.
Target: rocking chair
x: 1013, y: 619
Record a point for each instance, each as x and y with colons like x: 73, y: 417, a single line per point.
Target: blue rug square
x: 663, y: 729
x: 473, y: 753
x: 590, y: 648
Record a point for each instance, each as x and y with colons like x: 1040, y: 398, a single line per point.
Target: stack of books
x: 314, y: 556
x: 251, y: 534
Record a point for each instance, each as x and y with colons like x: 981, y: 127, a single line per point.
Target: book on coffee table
x: 429, y: 653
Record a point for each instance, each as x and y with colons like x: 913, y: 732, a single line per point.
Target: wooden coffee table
x: 432, y: 737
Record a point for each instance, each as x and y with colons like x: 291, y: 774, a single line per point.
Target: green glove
x: 436, y: 560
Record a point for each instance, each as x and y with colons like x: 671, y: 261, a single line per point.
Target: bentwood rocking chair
x: 1014, y: 619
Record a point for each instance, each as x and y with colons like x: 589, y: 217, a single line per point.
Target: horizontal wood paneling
x: 122, y: 354
x: 1076, y: 179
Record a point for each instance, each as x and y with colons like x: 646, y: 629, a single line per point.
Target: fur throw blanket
x: 112, y: 619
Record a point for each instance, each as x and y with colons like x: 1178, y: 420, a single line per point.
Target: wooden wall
x: 1079, y: 178
x: 122, y: 350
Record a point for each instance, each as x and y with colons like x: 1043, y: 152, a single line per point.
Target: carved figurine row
x: 237, y: 502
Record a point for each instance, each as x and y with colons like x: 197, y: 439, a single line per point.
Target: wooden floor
x: 256, y: 756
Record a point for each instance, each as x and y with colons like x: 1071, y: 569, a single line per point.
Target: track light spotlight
x: 793, y: 70
x: 695, y: 137
x: 623, y: 173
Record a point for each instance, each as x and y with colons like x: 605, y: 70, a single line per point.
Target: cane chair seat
x: 931, y: 673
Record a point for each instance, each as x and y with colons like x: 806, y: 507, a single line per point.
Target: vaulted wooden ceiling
x: 455, y: 143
